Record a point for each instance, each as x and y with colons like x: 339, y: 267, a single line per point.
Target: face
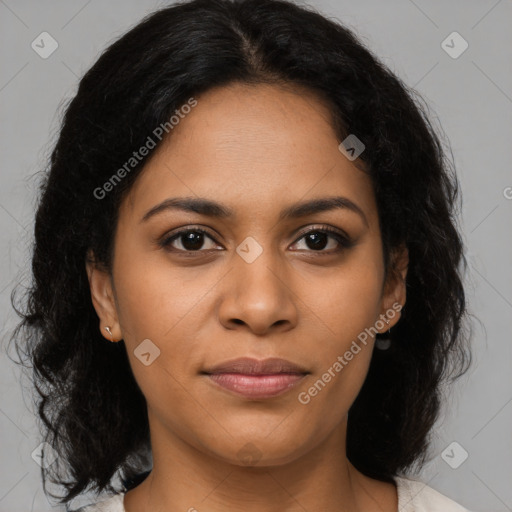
x: 205, y: 289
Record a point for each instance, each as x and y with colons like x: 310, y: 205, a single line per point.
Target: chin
x: 260, y: 450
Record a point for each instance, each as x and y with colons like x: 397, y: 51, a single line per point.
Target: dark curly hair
x: 92, y: 410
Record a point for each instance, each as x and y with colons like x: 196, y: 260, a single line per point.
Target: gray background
x: 470, y: 97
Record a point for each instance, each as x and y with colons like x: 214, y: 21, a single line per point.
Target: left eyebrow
x: 313, y: 206
x: 209, y: 208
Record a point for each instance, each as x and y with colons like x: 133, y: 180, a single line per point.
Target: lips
x: 256, y: 379
x: 249, y: 366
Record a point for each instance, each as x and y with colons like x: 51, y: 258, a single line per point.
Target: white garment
x: 413, y: 496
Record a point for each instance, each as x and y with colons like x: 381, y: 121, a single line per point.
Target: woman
x: 247, y: 291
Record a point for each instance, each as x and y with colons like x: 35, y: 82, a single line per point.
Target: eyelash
x: 344, y: 241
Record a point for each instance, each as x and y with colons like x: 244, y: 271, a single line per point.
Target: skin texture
x: 256, y: 149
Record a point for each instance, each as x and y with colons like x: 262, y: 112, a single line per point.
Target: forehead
x: 252, y: 146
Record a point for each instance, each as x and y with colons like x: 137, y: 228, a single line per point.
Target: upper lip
x: 250, y: 366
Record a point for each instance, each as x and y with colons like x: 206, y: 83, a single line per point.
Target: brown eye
x: 191, y: 240
x: 317, y: 240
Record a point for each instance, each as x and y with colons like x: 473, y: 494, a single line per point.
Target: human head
x: 187, y: 51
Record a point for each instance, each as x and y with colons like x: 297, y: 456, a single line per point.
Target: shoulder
x: 112, y: 504
x: 415, y: 496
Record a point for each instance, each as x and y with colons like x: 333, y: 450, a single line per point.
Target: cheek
x: 343, y: 362
x: 165, y: 305
x: 329, y: 394
x: 348, y: 305
x: 156, y: 299
x: 155, y: 305
x: 349, y: 301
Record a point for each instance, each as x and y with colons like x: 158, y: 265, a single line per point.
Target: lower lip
x: 257, y: 386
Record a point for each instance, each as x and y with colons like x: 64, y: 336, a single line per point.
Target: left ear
x: 394, y: 295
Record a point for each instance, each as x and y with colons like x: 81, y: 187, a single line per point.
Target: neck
x: 185, y: 478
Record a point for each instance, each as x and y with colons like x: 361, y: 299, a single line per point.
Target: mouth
x: 256, y: 379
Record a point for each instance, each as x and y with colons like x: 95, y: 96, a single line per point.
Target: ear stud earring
x: 110, y: 332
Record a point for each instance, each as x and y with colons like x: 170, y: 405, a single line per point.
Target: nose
x: 258, y: 296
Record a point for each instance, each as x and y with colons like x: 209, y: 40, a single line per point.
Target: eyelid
x: 322, y: 227
x: 344, y: 240
x: 174, y: 234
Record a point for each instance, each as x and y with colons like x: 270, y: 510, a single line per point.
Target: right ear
x: 102, y: 295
